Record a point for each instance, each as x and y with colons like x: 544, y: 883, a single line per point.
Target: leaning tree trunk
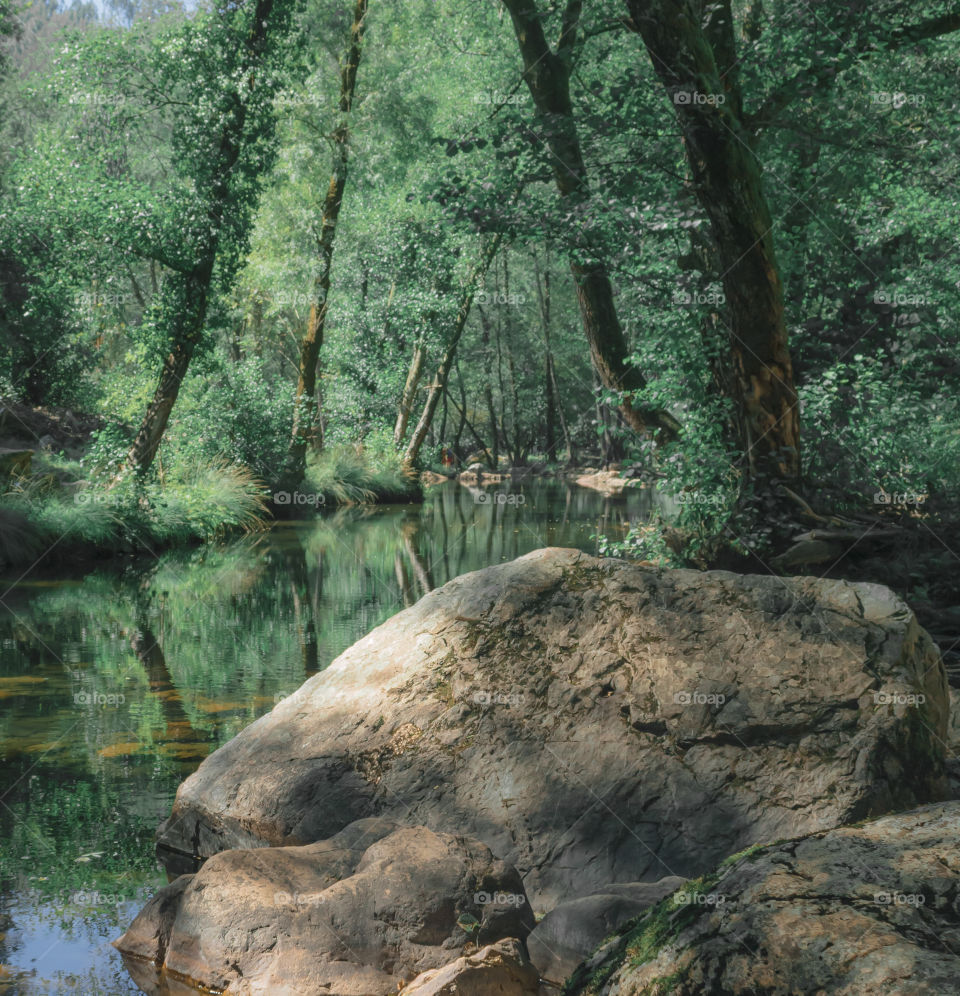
x: 695, y: 60
x: 305, y: 415
x: 547, y: 74
x: 184, y: 293
x: 183, y: 296
x: 437, y: 388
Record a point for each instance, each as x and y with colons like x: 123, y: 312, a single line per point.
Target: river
x: 117, y: 679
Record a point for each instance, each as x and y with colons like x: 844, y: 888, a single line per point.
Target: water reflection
x: 116, y: 682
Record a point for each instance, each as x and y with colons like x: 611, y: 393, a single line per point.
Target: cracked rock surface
x: 855, y: 911
x: 594, y: 721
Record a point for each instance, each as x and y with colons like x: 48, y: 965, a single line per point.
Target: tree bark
x: 305, y: 415
x: 543, y: 296
x: 696, y: 63
x: 185, y: 297
x: 409, y: 392
x: 488, y: 390
x: 547, y: 74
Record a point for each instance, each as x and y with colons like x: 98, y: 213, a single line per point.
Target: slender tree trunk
x: 409, y: 394
x: 550, y: 414
x: 463, y: 411
x: 478, y: 439
x: 695, y: 59
x: 501, y: 387
x: 442, y: 434
x: 543, y: 296
x: 443, y: 370
x: 516, y: 456
x: 306, y: 416
x: 567, y: 437
x: 547, y: 74
x: 488, y: 388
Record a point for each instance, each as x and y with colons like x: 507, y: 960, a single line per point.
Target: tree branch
x: 823, y: 74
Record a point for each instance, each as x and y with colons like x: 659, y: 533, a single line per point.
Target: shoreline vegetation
x: 61, y: 503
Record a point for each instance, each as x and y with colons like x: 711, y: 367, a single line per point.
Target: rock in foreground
x: 571, y: 931
x: 500, y: 969
x: 856, y: 911
x: 595, y: 721
x: 357, y: 915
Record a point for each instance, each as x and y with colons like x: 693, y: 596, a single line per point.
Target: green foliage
x: 355, y: 475
x: 234, y: 411
x: 882, y: 429
x: 198, y: 502
x: 110, y: 192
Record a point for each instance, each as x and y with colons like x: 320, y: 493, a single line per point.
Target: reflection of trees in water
x: 148, y: 650
x: 410, y: 535
x: 306, y: 590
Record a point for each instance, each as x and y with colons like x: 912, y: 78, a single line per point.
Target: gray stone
x: 857, y: 911
x: 595, y: 721
x: 571, y: 931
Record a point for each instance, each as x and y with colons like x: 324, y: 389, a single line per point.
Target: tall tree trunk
x: 409, y: 394
x: 439, y: 384
x: 567, y: 437
x: 183, y: 294
x: 305, y: 415
x: 547, y: 74
x: 462, y: 390
x: 695, y: 59
x: 488, y: 389
x: 517, y: 454
x: 543, y: 296
x: 500, y: 385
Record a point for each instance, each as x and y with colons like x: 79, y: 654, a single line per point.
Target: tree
x: 547, y: 75
x: 439, y: 385
x: 305, y: 417
x: 694, y: 53
x: 695, y: 58
x: 223, y: 146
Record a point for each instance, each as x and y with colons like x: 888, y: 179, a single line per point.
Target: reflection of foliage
x: 75, y: 838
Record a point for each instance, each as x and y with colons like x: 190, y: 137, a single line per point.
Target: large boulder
x: 571, y: 931
x: 594, y: 721
x: 856, y: 911
x: 357, y: 915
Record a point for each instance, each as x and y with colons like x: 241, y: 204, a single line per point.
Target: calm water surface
x: 116, y: 682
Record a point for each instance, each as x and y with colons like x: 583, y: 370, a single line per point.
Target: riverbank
x: 59, y: 503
